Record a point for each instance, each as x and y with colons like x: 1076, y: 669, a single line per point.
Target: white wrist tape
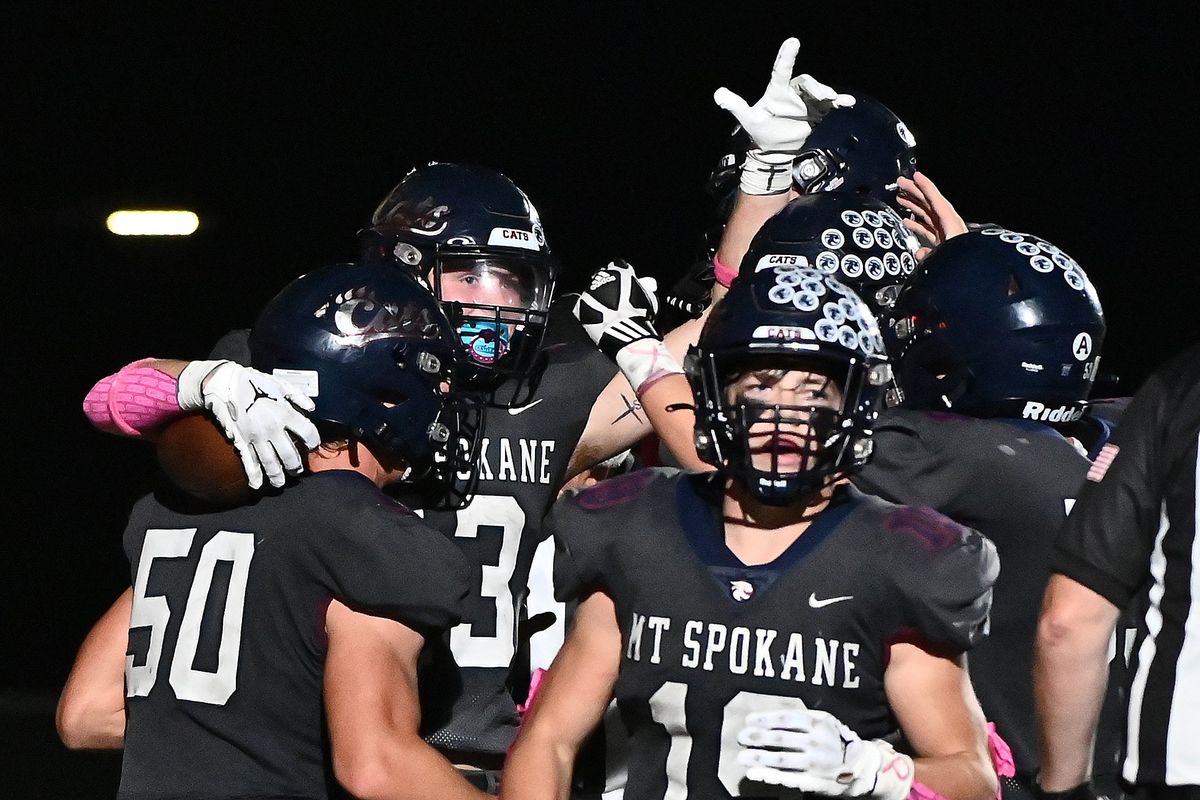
x: 191, y: 383
x: 646, y: 361
x: 767, y: 172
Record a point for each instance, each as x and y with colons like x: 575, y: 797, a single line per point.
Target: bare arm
x: 374, y: 713
x: 1070, y: 672
x: 91, y: 709
x: 619, y: 419
x: 749, y: 213
x: 569, y: 705
x: 932, y: 699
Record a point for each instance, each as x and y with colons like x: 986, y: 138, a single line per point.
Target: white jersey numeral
x: 497, y: 649
x: 153, y: 612
x: 667, y: 708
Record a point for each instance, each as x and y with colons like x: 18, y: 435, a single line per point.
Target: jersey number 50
x: 153, y: 612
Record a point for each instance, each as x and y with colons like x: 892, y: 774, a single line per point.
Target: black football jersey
x: 227, y: 639
x: 1015, y: 483
x: 466, y: 699
x: 707, y: 639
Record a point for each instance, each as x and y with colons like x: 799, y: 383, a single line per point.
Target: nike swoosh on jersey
x: 515, y: 411
x: 828, y: 601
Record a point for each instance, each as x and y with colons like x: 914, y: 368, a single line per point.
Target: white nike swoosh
x: 515, y: 411
x: 815, y: 603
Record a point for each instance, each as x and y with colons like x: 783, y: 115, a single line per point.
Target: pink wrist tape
x: 135, y: 402
x: 723, y: 272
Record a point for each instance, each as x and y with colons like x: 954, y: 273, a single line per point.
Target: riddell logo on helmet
x: 1042, y: 413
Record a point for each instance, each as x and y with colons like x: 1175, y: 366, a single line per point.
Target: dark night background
x: 282, y: 124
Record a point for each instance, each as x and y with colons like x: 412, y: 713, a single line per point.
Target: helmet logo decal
x: 872, y: 218
x: 424, y: 221
x: 358, y: 319
x: 904, y: 133
x: 827, y: 262
x: 852, y: 218
x: 1082, y: 346
x: 1041, y: 264
x: 844, y: 320
x: 862, y: 237
x: 852, y: 265
x: 833, y: 238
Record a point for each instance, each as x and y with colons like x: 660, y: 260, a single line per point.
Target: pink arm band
x: 134, y: 402
x: 723, y: 272
x: 1002, y: 761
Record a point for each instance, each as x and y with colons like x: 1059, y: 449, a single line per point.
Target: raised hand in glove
x: 259, y: 413
x: 617, y: 312
x: 780, y: 121
x: 812, y: 751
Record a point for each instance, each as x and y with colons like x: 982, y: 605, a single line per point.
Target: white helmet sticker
x: 827, y: 262
x: 1082, y: 346
x: 852, y: 218
x: 832, y: 238
x: 1041, y: 264
x: 905, y: 134
x: 852, y: 265
x: 514, y: 237
x: 780, y: 261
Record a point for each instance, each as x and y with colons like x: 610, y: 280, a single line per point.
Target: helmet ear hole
x: 1014, y: 285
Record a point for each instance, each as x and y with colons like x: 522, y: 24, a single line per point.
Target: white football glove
x: 257, y: 412
x: 812, y: 751
x: 780, y: 122
x: 617, y: 312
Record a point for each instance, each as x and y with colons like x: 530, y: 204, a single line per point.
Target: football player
x: 997, y: 341
x: 766, y: 628
x: 267, y: 649
x: 478, y: 240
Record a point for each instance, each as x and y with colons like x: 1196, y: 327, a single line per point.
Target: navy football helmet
x: 779, y: 318
x: 863, y: 149
x: 995, y: 323
x: 478, y: 240
x: 860, y: 241
x: 372, y: 348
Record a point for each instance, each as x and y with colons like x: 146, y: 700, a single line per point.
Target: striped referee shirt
x: 1132, y: 534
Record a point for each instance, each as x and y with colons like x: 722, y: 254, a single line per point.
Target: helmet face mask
x: 378, y: 358
x: 475, y: 238
x: 998, y: 324
x: 786, y: 396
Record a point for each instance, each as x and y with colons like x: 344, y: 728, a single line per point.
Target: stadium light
x: 152, y: 223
